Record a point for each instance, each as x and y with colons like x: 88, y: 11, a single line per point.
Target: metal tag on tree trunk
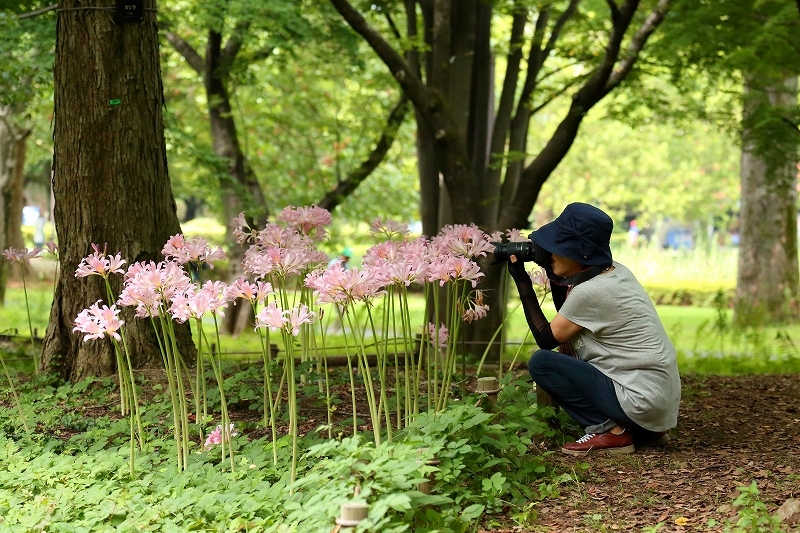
x: 129, y: 11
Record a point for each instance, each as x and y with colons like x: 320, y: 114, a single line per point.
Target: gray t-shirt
x: 623, y: 338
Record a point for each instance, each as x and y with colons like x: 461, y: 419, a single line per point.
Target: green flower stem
x: 226, y: 428
x: 324, y: 360
x: 30, y: 323
x: 14, y: 393
x: 269, y: 418
x: 363, y: 365
x: 200, y: 399
x: 124, y: 394
x: 382, y: 360
x: 340, y: 311
x: 412, y: 381
x: 454, y: 322
x: 165, y: 354
x: 435, y: 351
x: 519, y: 350
x: 135, y: 412
x: 184, y: 407
x: 292, y: 404
x: 399, y: 407
x: 424, y: 351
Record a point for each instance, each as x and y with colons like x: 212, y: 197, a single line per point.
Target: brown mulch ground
x: 731, y: 431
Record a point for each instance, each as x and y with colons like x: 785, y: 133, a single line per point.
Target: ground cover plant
x: 280, y: 443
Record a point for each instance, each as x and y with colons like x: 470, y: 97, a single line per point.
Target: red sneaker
x: 601, y: 442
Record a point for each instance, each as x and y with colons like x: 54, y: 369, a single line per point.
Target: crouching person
x: 615, y: 372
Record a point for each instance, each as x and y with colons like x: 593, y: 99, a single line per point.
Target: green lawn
x: 702, y: 336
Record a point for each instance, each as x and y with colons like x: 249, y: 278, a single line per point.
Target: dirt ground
x: 731, y: 431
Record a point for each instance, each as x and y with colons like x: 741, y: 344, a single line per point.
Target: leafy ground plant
x: 72, y: 473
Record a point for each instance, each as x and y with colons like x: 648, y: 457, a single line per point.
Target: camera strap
x: 584, y: 275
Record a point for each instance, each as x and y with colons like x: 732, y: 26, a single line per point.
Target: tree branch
x: 510, y: 80
x: 538, y: 55
x: 638, y: 41
x: 345, y: 188
x: 185, y: 49
x: 43, y: 10
x: 392, y: 25
x: 411, y: 85
x: 232, y: 47
x: 556, y: 94
x: 790, y: 122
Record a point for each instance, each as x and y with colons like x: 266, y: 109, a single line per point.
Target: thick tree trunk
x: 767, y: 283
x: 110, y: 182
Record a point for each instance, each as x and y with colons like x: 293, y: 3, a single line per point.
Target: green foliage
x: 26, y: 48
x: 700, y: 293
x: 309, y: 104
x: 722, y: 345
x: 72, y: 473
x: 752, y: 515
x: 650, y: 170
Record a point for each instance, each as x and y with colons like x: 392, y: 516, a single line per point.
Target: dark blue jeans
x: 585, y: 393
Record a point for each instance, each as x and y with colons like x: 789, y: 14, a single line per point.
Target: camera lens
x: 523, y: 250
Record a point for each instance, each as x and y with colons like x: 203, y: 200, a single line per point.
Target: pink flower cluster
x: 98, y: 322
x: 462, y: 240
x: 389, y: 228
x: 194, y: 303
x: 255, y: 293
x: 286, y: 248
x: 195, y: 250
x: 157, y: 288
x: 149, y: 286
x: 446, y: 258
x: 309, y: 221
x: 344, y: 286
x: 100, y: 264
x: 475, y: 308
x: 215, y: 437
x: 438, y: 336
x: 288, y: 320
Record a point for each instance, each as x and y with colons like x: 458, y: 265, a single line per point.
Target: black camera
x: 524, y: 251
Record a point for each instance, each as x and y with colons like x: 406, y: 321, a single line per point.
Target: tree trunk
x: 767, y: 282
x: 110, y: 182
x: 13, y: 145
x: 242, y: 193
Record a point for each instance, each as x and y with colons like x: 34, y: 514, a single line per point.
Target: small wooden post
x: 490, y: 387
x: 543, y: 399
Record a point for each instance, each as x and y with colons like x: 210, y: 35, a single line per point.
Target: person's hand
x: 516, y: 269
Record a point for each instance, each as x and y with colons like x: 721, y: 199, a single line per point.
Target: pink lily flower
x: 272, y: 317
x: 390, y: 228
x: 98, y: 322
x: 21, y: 256
x: 255, y: 293
x: 99, y: 264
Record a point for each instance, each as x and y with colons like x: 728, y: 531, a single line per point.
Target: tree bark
x: 767, y: 281
x: 110, y: 182
x: 13, y: 149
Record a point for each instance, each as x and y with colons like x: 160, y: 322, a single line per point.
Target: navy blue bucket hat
x: 581, y: 232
